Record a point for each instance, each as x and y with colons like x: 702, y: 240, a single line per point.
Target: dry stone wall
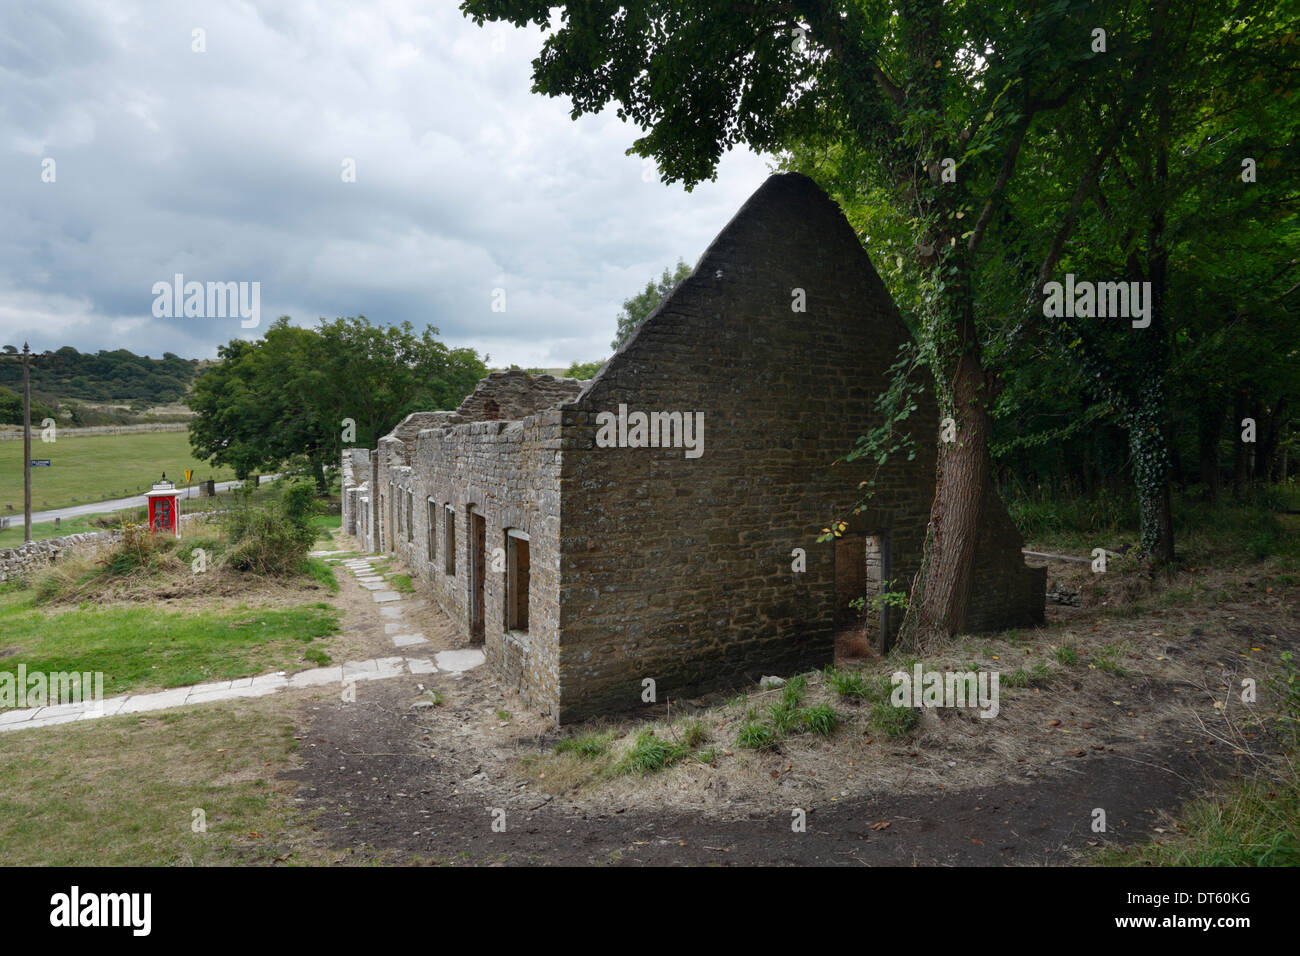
x: 28, y: 558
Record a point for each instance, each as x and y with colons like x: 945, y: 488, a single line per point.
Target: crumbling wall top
x: 514, y: 394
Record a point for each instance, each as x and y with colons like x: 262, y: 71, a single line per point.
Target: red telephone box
x: 164, y: 514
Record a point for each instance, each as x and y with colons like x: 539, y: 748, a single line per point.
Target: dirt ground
x: 1147, y: 717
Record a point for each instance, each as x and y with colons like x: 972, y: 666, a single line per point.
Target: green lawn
x: 96, y: 468
x: 140, y: 648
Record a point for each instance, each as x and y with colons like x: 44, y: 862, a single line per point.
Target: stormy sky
x: 228, y: 165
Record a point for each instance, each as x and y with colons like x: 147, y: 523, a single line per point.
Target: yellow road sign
x: 188, y: 474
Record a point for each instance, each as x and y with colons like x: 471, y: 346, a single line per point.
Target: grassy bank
x: 89, y: 468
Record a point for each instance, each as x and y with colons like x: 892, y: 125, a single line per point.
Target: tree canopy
x: 103, y: 376
x: 989, y: 148
x: 643, y: 303
x: 286, y: 399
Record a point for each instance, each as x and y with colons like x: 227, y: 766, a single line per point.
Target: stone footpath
x: 393, y: 607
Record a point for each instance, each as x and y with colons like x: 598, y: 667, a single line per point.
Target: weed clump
x: 650, y: 754
x: 789, y: 716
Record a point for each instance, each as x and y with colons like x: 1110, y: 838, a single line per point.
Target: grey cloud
x: 225, y: 165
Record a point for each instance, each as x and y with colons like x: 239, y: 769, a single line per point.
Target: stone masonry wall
x: 27, y: 558
x: 514, y: 394
x: 355, y: 470
x: 679, y: 569
x: 649, y: 564
x: 509, y: 472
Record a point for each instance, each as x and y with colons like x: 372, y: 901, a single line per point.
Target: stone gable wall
x: 514, y: 394
x: 680, y: 570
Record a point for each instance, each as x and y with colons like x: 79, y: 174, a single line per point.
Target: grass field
x: 139, y: 648
x: 89, y: 468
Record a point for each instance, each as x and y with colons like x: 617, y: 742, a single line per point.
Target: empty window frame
x: 410, y: 516
x: 517, y: 580
x: 448, y: 539
x: 431, y: 511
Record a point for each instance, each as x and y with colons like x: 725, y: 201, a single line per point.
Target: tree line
x: 104, y: 376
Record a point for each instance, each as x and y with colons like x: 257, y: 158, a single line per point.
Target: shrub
x: 272, y: 538
x: 137, y: 549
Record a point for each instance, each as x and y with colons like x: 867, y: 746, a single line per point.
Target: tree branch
x: 1004, y: 174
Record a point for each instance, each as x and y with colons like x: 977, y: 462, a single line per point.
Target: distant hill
x: 118, y: 376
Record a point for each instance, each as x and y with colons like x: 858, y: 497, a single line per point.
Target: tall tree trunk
x: 1240, y: 464
x: 1149, y: 433
x: 941, y: 592
x: 1149, y: 443
x: 1209, y: 428
x: 1266, y: 460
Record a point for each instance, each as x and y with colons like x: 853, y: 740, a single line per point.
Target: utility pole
x: 27, y: 446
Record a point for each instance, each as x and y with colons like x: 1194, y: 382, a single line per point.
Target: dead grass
x: 122, y: 791
x: 78, y: 579
x: 1141, y: 672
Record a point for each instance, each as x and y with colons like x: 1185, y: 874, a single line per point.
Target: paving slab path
x: 379, y: 668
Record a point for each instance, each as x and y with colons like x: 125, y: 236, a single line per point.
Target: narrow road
x: 114, y: 504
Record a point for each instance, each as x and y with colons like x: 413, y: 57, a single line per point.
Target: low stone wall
x: 27, y: 558
x: 16, y: 434
x: 23, y: 560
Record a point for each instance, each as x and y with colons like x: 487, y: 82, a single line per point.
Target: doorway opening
x: 477, y: 543
x: 861, y: 564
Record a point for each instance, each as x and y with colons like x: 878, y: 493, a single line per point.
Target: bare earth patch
x: 1130, y: 720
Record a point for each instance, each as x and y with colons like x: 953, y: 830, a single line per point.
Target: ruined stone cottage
x: 644, y: 524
